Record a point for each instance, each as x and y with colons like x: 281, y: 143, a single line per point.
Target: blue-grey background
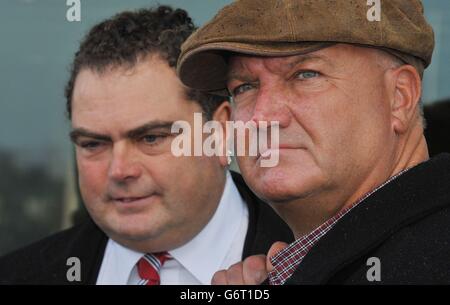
x: 37, y: 193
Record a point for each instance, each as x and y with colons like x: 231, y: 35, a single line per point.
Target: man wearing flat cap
x: 354, y: 180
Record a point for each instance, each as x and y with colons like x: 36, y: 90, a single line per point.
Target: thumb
x: 274, y: 249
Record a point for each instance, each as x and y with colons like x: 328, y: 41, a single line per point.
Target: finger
x: 274, y: 249
x: 219, y: 278
x: 254, y: 270
x: 234, y: 274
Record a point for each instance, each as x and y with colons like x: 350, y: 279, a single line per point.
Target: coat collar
x: 414, y: 195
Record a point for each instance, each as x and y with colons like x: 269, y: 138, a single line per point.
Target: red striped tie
x: 149, y: 267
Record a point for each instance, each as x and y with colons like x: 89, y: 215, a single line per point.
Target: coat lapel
x: 264, y: 227
x: 85, y: 242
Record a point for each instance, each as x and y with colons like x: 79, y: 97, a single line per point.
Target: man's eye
x: 90, y: 145
x: 302, y: 75
x: 241, y: 89
x: 152, y: 139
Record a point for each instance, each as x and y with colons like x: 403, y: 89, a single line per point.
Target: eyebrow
x: 233, y: 75
x: 141, y: 130
x: 132, y: 134
x: 308, y: 57
x: 83, y: 132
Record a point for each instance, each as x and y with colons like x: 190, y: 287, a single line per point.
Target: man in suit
x: 155, y: 218
x: 354, y: 180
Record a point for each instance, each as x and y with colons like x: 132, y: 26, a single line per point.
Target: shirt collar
x: 206, y: 252
x: 119, y: 261
x: 287, y: 260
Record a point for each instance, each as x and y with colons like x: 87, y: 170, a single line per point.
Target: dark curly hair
x: 129, y: 36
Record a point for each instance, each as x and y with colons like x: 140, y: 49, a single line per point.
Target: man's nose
x: 124, y: 164
x: 270, y: 106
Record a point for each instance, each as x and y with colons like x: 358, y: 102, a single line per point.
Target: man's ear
x: 223, y: 115
x: 405, y: 97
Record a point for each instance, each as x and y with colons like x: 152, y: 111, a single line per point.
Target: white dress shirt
x: 218, y: 246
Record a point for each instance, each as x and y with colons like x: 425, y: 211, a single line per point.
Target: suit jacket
x: 405, y: 224
x: 45, y: 261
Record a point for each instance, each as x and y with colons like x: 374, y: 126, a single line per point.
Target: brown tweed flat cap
x: 289, y: 27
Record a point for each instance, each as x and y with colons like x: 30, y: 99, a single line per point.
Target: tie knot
x: 149, y: 267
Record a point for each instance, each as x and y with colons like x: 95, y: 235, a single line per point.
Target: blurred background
x: 38, y: 191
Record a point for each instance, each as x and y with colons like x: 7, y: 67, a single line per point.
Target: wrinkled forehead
x: 333, y: 56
